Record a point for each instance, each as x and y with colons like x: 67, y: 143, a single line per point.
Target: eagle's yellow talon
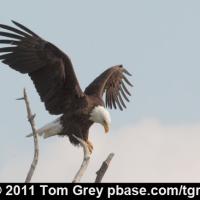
x: 90, y: 146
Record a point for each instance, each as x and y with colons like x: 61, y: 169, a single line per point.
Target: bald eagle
x: 53, y: 75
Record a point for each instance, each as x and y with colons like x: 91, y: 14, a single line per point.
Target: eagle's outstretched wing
x: 50, y: 69
x: 112, y: 82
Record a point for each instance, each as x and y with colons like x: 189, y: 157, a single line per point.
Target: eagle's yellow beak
x: 106, y: 127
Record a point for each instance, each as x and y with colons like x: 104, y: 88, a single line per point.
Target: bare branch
x: 101, y: 172
x: 85, y: 162
x: 35, y: 136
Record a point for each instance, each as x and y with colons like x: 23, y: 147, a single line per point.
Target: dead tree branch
x: 31, y: 117
x: 85, y: 162
x: 101, y: 172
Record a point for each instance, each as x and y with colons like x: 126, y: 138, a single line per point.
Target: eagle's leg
x: 89, y: 145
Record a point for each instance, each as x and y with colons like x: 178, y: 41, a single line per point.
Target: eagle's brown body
x: 81, y: 109
x: 53, y: 75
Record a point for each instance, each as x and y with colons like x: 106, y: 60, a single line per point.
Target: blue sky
x: 157, y: 41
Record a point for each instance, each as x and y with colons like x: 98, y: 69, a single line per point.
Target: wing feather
x: 11, y: 42
x: 11, y: 35
x: 125, y: 89
x: 123, y: 94
x: 121, y: 100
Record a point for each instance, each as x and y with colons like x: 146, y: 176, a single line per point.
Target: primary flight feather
x: 52, y: 73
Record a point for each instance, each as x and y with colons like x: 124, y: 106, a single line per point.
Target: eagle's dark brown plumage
x: 53, y: 75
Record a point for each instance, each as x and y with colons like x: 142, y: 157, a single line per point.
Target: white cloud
x: 144, y: 152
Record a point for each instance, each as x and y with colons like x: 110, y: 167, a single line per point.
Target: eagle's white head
x: 100, y: 115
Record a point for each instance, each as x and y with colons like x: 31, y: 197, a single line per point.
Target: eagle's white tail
x: 50, y: 129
